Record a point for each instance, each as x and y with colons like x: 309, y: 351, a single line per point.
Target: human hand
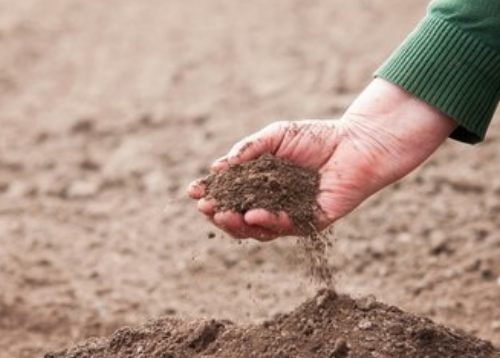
x: 383, y: 136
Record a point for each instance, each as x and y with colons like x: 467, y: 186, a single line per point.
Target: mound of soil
x: 267, y: 183
x: 326, y: 326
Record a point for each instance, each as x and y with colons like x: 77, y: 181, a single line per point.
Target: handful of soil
x: 267, y: 183
x: 276, y: 185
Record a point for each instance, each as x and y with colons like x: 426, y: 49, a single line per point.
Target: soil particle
x: 341, y: 349
x: 334, y: 333
x: 204, y: 335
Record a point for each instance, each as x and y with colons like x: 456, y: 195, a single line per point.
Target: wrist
x: 395, y: 129
x: 387, y: 109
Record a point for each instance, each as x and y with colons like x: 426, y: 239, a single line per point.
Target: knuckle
x: 279, y: 125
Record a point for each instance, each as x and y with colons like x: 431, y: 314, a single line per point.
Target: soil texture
x: 109, y: 109
x: 270, y: 183
x: 327, y: 326
x: 277, y: 185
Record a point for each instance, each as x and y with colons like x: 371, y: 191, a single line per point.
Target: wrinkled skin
x: 383, y: 136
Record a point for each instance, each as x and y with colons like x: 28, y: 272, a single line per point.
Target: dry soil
x: 108, y: 109
x: 326, y: 326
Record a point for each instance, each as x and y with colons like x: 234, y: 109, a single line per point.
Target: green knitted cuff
x: 452, y: 71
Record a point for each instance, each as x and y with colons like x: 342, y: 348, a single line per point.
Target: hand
x: 384, y: 135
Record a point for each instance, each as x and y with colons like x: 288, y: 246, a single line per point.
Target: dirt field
x: 109, y: 109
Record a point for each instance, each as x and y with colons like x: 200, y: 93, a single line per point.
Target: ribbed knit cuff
x: 452, y: 71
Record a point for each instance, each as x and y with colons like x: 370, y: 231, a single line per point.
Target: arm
x: 452, y: 61
x: 444, y: 80
x: 384, y: 135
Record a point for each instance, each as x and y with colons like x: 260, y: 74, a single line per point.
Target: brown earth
x: 109, y: 109
x: 270, y: 183
x: 327, y: 326
x: 276, y: 185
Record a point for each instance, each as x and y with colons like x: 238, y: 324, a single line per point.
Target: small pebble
x: 341, y: 349
x: 365, y: 324
x: 495, y: 325
x: 367, y: 303
x: 82, y: 189
x: 20, y: 189
x: 322, y: 300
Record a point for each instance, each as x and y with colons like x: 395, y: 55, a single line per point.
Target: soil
x: 277, y: 185
x: 109, y: 109
x: 270, y: 183
x: 326, y: 326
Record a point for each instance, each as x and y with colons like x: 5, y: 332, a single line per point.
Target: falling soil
x: 276, y: 185
x: 326, y: 326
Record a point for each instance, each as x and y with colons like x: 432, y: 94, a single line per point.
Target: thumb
x: 264, y: 141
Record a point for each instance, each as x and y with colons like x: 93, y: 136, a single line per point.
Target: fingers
x: 220, y: 164
x: 279, y: 223
x: 243, y: 151
x: 196, y: 189
x: 235, y: 225
x: 266, y: 140
x: 207, y: 206
x: 259, y: 224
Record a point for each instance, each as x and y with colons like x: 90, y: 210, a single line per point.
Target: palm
x: 306, y: 143
x: 348, y: 165
x: 317, y: 145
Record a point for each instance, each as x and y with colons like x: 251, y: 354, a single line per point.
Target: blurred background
x: 109, y: 109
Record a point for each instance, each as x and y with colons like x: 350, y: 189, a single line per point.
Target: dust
x: 316, y: 251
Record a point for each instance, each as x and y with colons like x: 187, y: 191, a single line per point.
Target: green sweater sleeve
x: 452, y: 61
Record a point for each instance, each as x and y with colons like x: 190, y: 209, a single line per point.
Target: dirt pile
x: 327, y: 325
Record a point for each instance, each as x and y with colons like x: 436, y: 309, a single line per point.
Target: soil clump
x: 269, y: 183
x: 326, y: 326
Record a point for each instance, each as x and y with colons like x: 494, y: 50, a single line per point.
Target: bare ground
x: 109, y: 109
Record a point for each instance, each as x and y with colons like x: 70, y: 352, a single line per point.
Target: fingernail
x: 221, y: 160
x: 220, y: 164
